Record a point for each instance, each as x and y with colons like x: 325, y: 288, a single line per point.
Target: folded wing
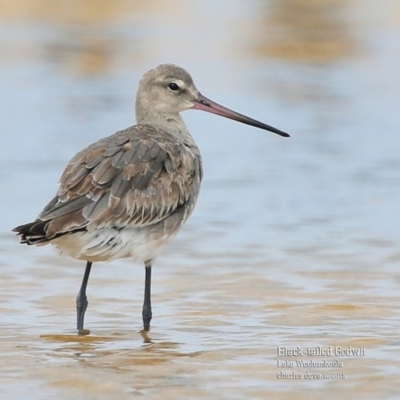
x: 130, y: 178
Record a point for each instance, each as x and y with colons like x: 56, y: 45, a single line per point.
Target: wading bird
x: 129, y: 194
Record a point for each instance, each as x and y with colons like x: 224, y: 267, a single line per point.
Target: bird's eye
x: 173, y: 86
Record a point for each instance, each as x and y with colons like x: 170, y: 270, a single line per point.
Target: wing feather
x: 137, y: 176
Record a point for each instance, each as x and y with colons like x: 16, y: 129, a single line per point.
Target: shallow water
x: 294, y: 243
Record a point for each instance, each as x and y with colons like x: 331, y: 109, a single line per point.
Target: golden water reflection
x: 312, y: 31
x: 210, y: 332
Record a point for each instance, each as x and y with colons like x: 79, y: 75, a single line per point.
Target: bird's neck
x: 172, y: 124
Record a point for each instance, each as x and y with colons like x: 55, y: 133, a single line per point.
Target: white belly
x: 108, y: 244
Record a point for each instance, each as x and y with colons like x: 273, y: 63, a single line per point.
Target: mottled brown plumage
x: 128, y: 194
x: 129, y: 178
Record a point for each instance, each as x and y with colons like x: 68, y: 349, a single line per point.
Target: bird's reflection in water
x: 145, y: 336
x: 115, y: 349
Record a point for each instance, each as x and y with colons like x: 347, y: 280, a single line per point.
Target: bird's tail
x: 32, y: 233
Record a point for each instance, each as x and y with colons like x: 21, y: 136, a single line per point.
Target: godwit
x: 128, y: 194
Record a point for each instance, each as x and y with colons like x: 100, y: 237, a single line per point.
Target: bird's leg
x: 81, y: 300
x: 146, y: 312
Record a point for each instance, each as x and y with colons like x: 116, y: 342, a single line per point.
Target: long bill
x: 202, y: 103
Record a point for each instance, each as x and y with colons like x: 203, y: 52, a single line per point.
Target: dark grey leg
x: 81, y: 299
x: 146, y: 312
